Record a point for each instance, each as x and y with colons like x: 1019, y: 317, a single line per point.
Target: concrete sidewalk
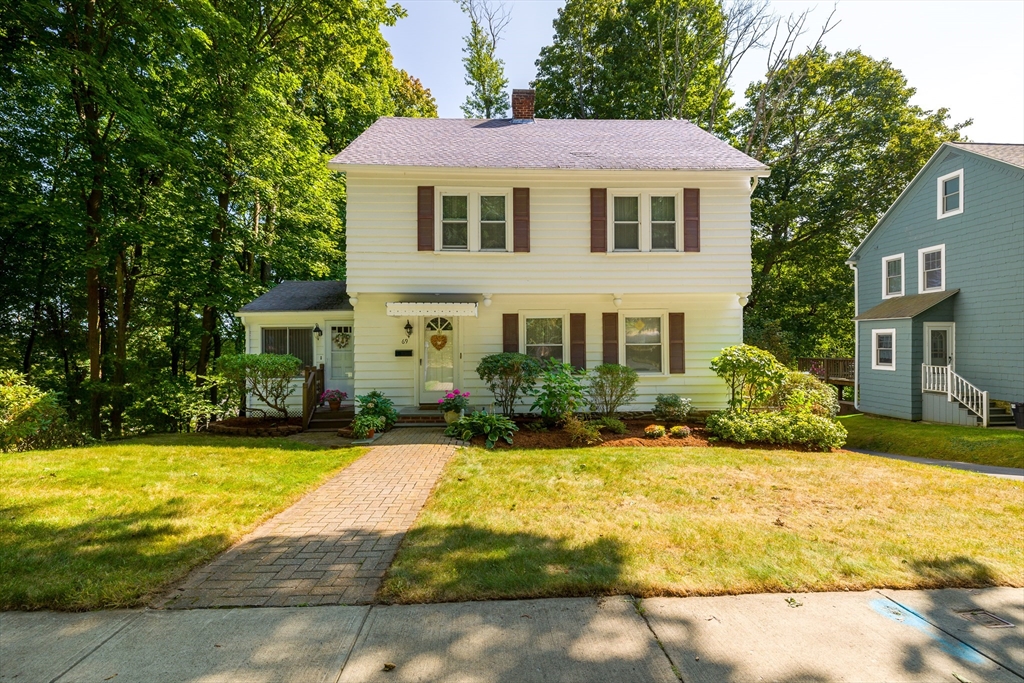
x: 866, y: 636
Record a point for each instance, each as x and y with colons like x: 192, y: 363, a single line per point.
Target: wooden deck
x: 839, y: 372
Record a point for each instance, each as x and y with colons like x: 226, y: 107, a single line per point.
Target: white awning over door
x: 410, y: 310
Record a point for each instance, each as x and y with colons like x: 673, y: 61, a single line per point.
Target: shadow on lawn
x: 107, y: 561
x: 449, y: 563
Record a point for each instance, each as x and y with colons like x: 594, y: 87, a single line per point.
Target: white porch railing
x: 940, y: 379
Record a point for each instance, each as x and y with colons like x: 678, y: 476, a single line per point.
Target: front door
x: 440, y: 352
x: 939, y: 344
x: 340, y: 372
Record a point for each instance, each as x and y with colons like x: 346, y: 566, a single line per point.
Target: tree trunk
x: 175, y: 338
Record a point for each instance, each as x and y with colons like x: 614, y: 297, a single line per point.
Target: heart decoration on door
x: 439, y: 341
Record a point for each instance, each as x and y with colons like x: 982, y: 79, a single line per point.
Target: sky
x: 965, y: 56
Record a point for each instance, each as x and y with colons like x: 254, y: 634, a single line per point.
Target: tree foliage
x: 485, y: 73
x: 161, y: 164
x: 843, y: 140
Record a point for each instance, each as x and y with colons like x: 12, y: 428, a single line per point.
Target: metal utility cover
x: 985, y: 618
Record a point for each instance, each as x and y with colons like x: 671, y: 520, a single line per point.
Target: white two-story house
x: 588, y: 241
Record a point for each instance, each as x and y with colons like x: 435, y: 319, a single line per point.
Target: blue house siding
x: 984, y: 248
x: 887, y: 392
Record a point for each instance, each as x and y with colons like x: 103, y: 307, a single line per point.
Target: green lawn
x: 110, y: 525
x: 658, y: 521
x: 1001, y: 447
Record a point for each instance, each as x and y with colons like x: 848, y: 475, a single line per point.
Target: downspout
x: 856, y: 337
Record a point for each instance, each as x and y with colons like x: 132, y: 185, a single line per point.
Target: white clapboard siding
x: 712, y: 323
x: 254, y: 324
x: 382, y: 251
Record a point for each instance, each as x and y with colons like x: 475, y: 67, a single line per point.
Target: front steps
x: 326, y: 420
x: 1000, y: 417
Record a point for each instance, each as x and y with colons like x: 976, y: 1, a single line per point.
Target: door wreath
x: 439, y: 341
x: 341, y: 339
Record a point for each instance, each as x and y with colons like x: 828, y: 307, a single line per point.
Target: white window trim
x: 474, y: 194
x: 874, y: 349
x: 645, y: 313
x: 940, y: 214
x: 563, y: 314
x: 885, y: 276
x: 645, y: 219
x: 920, y: 269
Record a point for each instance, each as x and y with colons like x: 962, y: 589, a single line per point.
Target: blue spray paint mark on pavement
x: 955, y: 648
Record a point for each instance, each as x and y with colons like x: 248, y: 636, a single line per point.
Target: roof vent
x: 522, y: 105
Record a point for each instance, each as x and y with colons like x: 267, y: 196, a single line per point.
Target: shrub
x: 613, y: 425
x: 679, y: 432
x: 509, y: 376
x: 31, y: 418
x: 802, y: 392
x: 268, y: 376
x: 176, y: 404
x: 671, y: 408
x: 813, y: 431
x: 753, y: 375
x: 491, y: 427
x: 363, y: 424
x: 455, y: 401
x: 377, y: 404
x: 581, y: 433
x: 561, y: 392
x: 611, y: 387
x: 654, y: 431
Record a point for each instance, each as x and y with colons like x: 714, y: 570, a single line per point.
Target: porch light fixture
x: 317, y: 331
x: 408, y: 329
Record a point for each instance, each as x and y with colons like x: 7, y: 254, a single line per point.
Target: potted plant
x: 333, y: 397
x: 365, y: 426
x: 453, y: 404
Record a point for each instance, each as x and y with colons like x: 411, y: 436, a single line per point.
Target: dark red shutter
x: 610, y: 337
x: 510, y: 333
x: 676, y: 343
x: 598, y: 220
x: 425, y: 218
x: 520, y: 219
x: 691, y: 220
x: 578, y: 340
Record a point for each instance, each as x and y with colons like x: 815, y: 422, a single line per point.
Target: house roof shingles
x: 1007, y: 153
x: 590, y: 144
x: 905, y: 306
x: 292, y: 295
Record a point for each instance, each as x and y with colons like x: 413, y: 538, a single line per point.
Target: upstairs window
x: 455, y: 222
x: 931, y: 269
x: 892, y: 276
x: 645, y: 221
x: 492, y: 222
x: 951, y: 194
x: 663, y: 223
x: 627, y: 224
x: 474, y: 221
x: 295, y: 341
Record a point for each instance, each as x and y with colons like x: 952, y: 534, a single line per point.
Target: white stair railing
x: 933, y: 378
x: 940, y: 378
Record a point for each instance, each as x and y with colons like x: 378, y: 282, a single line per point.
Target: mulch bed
x: 557, y: 438
x: 257, y: 426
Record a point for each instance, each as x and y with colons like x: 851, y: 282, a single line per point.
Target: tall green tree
x: 485, y: 73
x: 647, y: 59
x: 842, y: 139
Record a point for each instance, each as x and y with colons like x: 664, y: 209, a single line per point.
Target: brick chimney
x: 522, y: 105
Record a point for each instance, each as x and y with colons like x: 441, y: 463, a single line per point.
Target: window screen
x: 295, y: 341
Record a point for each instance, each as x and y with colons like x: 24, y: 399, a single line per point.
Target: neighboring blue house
x: 940, y: 292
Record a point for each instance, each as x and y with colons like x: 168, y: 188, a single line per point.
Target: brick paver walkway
x: 334, y: 545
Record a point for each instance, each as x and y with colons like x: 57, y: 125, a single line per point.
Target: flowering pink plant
x: 332, y: 395
x: 454, y: 401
